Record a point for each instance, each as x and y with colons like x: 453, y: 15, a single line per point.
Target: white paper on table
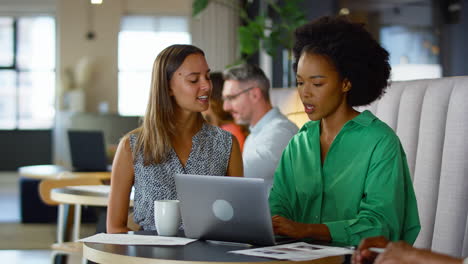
x: 131, y: 239
x: 295, y: 251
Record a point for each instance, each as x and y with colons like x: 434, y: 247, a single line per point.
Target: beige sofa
x: 431, y: 119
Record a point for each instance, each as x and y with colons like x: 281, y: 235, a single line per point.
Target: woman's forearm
x: 317, y: 231
x: 117, y: 229
x: 286, y: 227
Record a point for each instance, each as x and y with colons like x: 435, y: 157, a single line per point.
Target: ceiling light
x: 344, y: 11
x: 96, y: 2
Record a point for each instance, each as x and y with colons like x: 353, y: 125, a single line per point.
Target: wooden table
x: 30, y: 176
x: 92, y: 195
x: 197, y: 252
x: 42, y: 172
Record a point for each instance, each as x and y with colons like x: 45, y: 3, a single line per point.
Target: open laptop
x: 225, y: 209
x: 87, y: 150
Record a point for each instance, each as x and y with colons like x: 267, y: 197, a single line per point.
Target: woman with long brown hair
x: 173, y: 138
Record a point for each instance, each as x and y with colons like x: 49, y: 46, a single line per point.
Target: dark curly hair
x: 356, y: 55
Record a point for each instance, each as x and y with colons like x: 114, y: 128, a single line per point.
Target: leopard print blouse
x: 211, y: 149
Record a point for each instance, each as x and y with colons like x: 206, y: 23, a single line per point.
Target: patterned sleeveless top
x: 211, y: 149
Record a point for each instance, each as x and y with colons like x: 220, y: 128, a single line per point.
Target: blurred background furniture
x: 88, y: 151
x: 30, y: 204
x: 32, y: 209
x: 290, y: 104
x: 45, y: 189
x: 431, y: 119
x: 76, y: 192
x: 112, y: 126
x: 41, y: 172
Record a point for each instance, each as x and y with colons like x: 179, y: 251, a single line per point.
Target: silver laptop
x: 225, y: 209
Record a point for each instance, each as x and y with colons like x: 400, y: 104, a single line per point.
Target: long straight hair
x: 154, y: 135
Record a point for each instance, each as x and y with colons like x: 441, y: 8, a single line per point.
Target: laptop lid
x: 225, y: 208
x: 87, y: 150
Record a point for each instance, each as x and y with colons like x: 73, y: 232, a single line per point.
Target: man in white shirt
x: 246, y: 95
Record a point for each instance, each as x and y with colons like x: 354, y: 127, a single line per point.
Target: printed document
x: 295, y: 251
x: 131, y: 239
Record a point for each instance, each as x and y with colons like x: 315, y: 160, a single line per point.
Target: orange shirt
x: 236, y: 130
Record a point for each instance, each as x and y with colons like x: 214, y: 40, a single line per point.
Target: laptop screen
x: 87, y: 150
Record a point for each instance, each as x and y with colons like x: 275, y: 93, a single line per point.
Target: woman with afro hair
x: 344, y: 176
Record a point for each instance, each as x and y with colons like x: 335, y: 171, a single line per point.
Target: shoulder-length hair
x: 154, y: 135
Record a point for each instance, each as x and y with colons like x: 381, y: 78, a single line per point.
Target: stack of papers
x: 295, y: 251
x: 130, y: 239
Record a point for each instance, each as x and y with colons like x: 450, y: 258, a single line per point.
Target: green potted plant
x: 272, y: 29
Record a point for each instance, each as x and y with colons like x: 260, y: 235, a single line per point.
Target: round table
x: 42, y: 172
x: 92, y: 195
x: 197, y: 252
x: 29, y: 179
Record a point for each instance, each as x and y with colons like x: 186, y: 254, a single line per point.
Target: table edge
x: 79, y: 199
x: 107, y: 257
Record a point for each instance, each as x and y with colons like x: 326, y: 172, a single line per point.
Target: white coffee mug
x: 167, y: 217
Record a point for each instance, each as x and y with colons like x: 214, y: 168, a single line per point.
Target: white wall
x: 24, y: 7
x: 162, y: 7
x: 72, y: 26
x: 214, y: 31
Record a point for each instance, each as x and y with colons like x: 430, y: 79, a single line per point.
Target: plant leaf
x: 198, y: 6
x: 272, y: 43
x: 248, y: 41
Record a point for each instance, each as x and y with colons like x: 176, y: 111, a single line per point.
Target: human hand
x: 286, y: 227
x: 396, y: 253
x: 363, y: 254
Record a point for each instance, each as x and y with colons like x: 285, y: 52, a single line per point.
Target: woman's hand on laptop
x: 286, y: 227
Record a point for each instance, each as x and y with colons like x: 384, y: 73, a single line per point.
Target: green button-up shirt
x: 363, y: 188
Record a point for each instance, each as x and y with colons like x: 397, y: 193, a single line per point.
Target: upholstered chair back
x: 431, y: 119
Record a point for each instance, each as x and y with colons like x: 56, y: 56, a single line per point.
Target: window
x: 140, y: 40
x: 27, y: 72
x: 414, y: 52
